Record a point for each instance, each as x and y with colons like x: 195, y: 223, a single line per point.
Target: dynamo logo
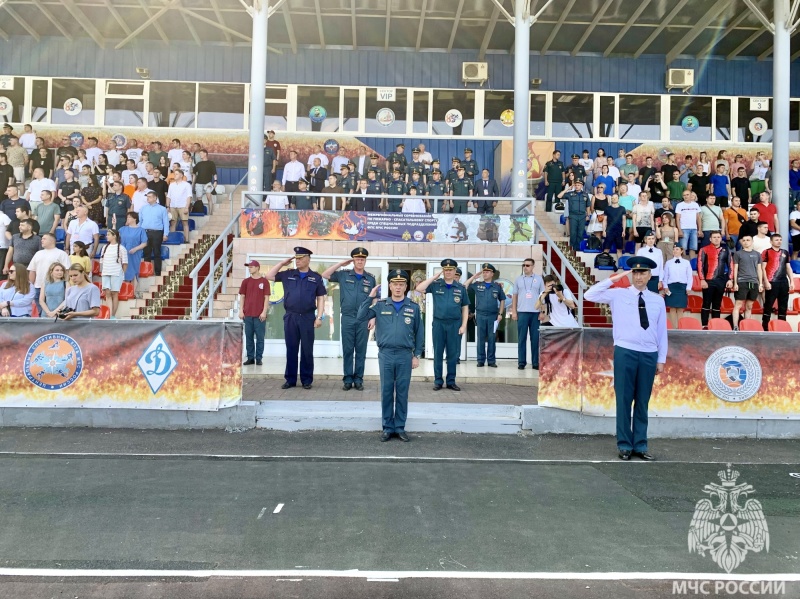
x: 157, y: 363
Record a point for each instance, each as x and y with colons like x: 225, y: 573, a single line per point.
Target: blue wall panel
x: 443, y: 149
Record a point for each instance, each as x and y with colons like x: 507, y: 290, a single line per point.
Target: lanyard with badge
x: 528, y: 290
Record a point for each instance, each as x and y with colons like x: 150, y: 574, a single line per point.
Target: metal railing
x: 257, y: 199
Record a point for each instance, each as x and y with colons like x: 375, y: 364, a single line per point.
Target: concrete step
x: 366, y: 416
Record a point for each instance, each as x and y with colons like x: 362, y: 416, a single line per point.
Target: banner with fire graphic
x: 707, y: 375
x: 386, y: 226
x: 120, y: 364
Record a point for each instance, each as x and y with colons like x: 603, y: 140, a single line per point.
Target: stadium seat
x: 34, y: 310
x: 630, y: 247
x: 126, y: 291
x: 146, y: 270
x: 795, y: 285
x: 779, y: 326
x: 622, y: 283
x: 105, y: 313
x: 192, y: 225
x: 61, y: 235
x: 693, y: 262
x: 95, y: 268
x: 102, y: 235
x: 719, y: 324
x: 669, y: 325
x: 164, y: 253
x: 605, y: 268
x: 100, y: 287
x: 795, y: 264
x: 727, y: 305
x: 695, y: 304
x: 757, y: 308
x: 584, y: 247
x: 623, y: 262
x: 687, y: 323
x: 563, y: 219
x: 696, y: 283
x: 205, y: 213
x: 750, y: 324
x: 175, y: 238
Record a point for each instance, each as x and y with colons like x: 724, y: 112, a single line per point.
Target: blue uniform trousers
x: 354, y: 348
x: 267, y: 178
x: 577, y: 225
x: 634, y: 373
x: 445, y: 337
x: 298, y: 331
x: 395, y: 369
x: 486, y: 336
x: 527, y: 322
x: 254, y: 330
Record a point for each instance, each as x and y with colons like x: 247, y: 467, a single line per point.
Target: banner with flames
x: 386, y: 226
x: 120, y: 364
x: 708, y: 374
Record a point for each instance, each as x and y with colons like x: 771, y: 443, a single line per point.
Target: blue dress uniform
x: 452, y: 174
x: 576, y: 204
x: 300, y: 293
x: 448, y: 300
x: 415, y: 166
x: 396, y: 189
x: 462, y: 187
x: 640, y: 344
x: 353, y: 290
x: 437, y: 189
x: 488, y: 298
x: 470, y: 166
x: 374, y: 187
x: 400, y: 337
x: 380, y: 174
x: 399, y: 157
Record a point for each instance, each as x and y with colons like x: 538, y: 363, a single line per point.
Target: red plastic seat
x: 695, y: 304
x: 105, y: 313
x: 146, y: 269
x: 757, y: 308
x: 687, y: 323
x: 622, y: 283
x: 719, y: 324
x: 95, y: 268
x: 796, y: 284
x: 780, y: 326
x: 727, y: 305
x: 669, y: 325
x: 34, y: 310
x: 100, y: 287
x: 750, y: 324
x: 126, y: 291
x: 696, y: 284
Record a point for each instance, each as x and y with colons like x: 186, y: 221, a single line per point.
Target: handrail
x: 227, y: 266
x: 255, y: 199
x: 566, y: 266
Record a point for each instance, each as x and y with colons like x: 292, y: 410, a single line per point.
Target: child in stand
x: 79, y: 256
x: 113, y: 262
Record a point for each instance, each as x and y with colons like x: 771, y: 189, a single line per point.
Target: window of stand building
x: 755, y: 124
x: 386, y: 116
x: 65, y: 111
x: 124, y: 104
x: 15, y: 92
x: 572, y: 115
x: 220, y: 106
x: 496, y: 119
x: 640, y: 117
x: 350, y: 105
x: 794, y: 121
x: 39, y: 103
x: 690, y: 118
x: 421, y: 106
x: 722, y: 125
x: 276, y: 109
x: 538, y: 114
x: 608, y: 119
x: 453, y: 112
x: 318, y: 109
x: 172, y: 104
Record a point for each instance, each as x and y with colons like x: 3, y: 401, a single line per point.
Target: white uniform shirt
x: 678, y: 270
x: 293, y: 171
x: 656, y: 255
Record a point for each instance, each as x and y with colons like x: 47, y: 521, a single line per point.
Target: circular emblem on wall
x: 690, y: 124
x: 73, y: 107
x: 331, y: 146
x: 419, y: 235
x: 5, y: 106
x: 53, y: 362
x: 663, y: 153
x: 317, y: 114
x: 507, y: 117
x: 733, y: 374
x: 276, y: 295
x: 119, y: 140
x: 453, y: 117
x: 385, y: 117
x: 76, y: 139
x: 758, y: 126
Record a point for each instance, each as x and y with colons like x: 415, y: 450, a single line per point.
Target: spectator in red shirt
x: 777, y: 280
x: 715, y: 269
x: 253, y: 305
x: 767, y: 211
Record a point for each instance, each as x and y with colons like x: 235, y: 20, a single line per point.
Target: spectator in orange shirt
x: 735, y: 216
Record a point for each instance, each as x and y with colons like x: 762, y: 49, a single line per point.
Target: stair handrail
x: 550, y: 249
x: 213, y: 285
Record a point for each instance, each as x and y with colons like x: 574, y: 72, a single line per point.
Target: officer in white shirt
x: 649, y: 250
x: 293, y: 171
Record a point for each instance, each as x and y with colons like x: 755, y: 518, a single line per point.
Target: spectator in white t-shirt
x: 179, y: 195
x: 277, y: 200
x: 175, y: 153
x: 28, y: 139
x: 113, y: 262
x: 139, y: 198
x: 687, y: 215
x: 37, y: 185
x: 318, y: 153
x: 83, y: 229
x: 92, y: 151
x: 41, y: 262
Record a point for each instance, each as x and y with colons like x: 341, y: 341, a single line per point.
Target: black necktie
x: 677, y: 261
x: 650, y: 250
x: 643, y: 312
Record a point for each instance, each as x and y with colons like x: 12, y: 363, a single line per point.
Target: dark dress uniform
x: 580, y: 172
x: 269, y: 161
x: 436, y: 188
x: 303, y: 202
x: 461, y: 188
x: 380, y: 174
x: 400, y: 337
x: 396, y: 156
x: 555, y: 179
x: 300, y: 293
x: 470, y: 166
x: 353, y: 290
x: 577, y: 203
x: 487, y: 306
x: 348, y: 182
x: 452, y: 175
x: 448, y: 300
x: 395, y: 190
x: 416, y: 166
x: 375, y: 188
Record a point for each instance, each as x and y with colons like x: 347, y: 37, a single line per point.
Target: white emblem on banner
x: 157, y: 363
x: 733, y: 374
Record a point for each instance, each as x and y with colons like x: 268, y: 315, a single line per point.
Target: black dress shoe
x: 454, y: 387
x: 308, y: 386
x: 347, y: 386
x: 535, y: 367
x: 624, y: 454
x: 286, y: 386
x: 521, y: 367
x: 359, y: 386
x: 492, y: 365
x: 437, y: 387
x: 403, y: 437
x: 479, y: 365
x: 385, y: 436
x: 259, y: 363
x: 458, y: 360
x: 643, y: 455
x: 248, y: 363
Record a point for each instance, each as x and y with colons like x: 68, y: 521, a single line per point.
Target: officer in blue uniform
x: 470, y: 166
x: 577, y: 207
x: 355, y: 285
x: 415, y: 166
x: 303, y: 293
x: 269, y: 164
x: 490, y: 301
x: 452, y: 174
x: 397, y: 156
x: 380, y: 174
x: 450, y: 313
x: 374, y: 187
x: 436, y: 189
x: 396, y: 189
x: 400, y: 337
x: 461, y: 187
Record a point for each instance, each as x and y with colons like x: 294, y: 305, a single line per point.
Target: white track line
x: 383, y: 575
x: 261, y: 513
x: 278, y: 509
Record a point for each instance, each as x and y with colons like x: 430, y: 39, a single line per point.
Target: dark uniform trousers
x: 395, y: 371
x: 486, y: 336
x: 298, y: 331
x: 445, y: 338
x: 779, y: 293
x: 577, y: 218
x: 354, y: 348
x: 634, y: 373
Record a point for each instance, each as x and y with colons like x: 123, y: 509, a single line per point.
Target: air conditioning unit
x: 474, y: 72
x: 680, y: 78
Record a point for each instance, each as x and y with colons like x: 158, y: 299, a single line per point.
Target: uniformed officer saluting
x: 640, y: 350
x: 355, y: 285
x: 450, y: 313
x: 400, y: 338
x: 490, y: 301
x: 303, y: 293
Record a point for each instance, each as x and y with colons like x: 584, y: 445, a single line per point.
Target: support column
x: 258, y: 83
x: 781, y: 66
x: 522, y: 52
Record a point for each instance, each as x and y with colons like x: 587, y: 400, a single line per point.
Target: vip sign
x: 386, y: 94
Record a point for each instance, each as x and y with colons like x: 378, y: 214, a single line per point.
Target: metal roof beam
x: 551, y: 38
x: 190, y: 27
x: 87, y: 24
x: 353, y: 23
x: 455, y: 25
x: 50, y: 17
x: 117, y: 17
x: 22, y: 23
x: 289, y: 28
x: 421, y: 24
x: 213, y: 23
x: 145, y: 25
x: 624, y: 31
x: 156, y: 24
x: 716, y: 39
x: 667, y: 20
x: 221, y: 20
x: 506, y: 14
x: 745, y: 44
x: 319, y: 24
x: 489, y: 32
x: 698, y: 28
x: 761, y: 16
x: 595, y: 20
x: 388, y: 22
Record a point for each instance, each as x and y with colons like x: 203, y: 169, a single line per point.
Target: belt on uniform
x: 155, y: 230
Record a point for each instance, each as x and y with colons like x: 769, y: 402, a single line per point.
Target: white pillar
x: 780, y: 117
x: 522, y: 52
x: 258, y: 83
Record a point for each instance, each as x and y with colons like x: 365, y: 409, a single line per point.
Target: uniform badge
x: 457, y: 299
x: 408, y: 320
